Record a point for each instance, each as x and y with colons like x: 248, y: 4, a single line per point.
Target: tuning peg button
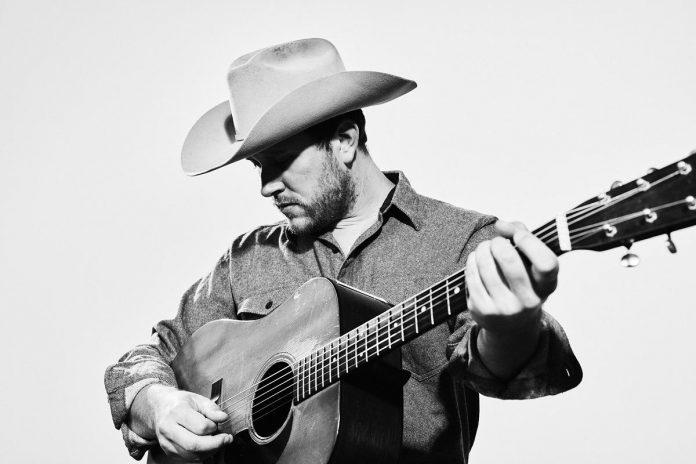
x: 670, y: 244
x: 630, y: 260
x: 615, y: 184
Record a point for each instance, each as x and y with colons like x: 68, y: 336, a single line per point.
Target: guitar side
x: 355, y: 415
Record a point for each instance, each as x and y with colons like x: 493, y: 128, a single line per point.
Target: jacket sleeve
x: 552, y: 369
x: 208, y: 299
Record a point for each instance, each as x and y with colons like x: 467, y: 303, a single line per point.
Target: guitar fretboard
x: 388, y: 331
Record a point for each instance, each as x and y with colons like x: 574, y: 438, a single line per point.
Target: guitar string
x: 413, y: 302
x: 628, y: 217
x: 398, y: 308
x: 624, y: 218
x: 601, y: 202
x: 624, y: 196
x: 360, y: 352
x: 550, y: 226
x: 311, y: 378
x: 406, y: 306
x: 612, y: 202
x: 287, y: 390
x: 539, y: 233
x: 321, y: 358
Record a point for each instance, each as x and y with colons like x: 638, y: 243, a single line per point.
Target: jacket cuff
x: 552, y: 369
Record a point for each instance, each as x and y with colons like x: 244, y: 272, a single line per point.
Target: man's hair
x: 323, y: 132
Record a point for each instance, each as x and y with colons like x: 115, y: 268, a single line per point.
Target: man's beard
x: 330, y: 204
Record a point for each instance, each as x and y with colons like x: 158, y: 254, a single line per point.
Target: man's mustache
x: 279, y: 202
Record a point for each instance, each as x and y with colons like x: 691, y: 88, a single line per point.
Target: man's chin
x: 299, y: 225
x: 304, y: 226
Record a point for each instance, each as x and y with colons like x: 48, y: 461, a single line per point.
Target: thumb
x: 209, y: 408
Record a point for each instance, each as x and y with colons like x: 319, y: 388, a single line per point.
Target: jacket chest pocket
x: 259, y: 303
x: 425, y: 356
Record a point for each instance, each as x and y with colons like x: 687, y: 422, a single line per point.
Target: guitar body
x: 239, y: 364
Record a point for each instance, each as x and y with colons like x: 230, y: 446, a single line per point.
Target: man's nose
x: 271, y: 183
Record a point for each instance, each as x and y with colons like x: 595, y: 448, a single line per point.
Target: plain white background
x: 523, y: 110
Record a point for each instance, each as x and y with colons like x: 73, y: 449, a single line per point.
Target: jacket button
x: 269, y: 304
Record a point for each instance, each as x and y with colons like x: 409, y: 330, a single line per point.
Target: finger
x: 488, y: 269
x: 514, y: 272
x: 543, y: 262
x: 508, y: 229
x: 478, y: 299
x: 196, y: 422
x: 190, y: 445
x: 209, y: 409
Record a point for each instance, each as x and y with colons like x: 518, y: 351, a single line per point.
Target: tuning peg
x: 616, y: 183
x: 670, y: 244
x: 651, y: 170
x: 630, y: 259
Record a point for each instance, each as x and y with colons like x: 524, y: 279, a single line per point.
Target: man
x: 295, y: 113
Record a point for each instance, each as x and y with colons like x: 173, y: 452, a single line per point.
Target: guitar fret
x: 302, y: 378
x: 316, y: 387
x: 432, y: 318
x: 377, y: 334
x: 447, y: 297
x: 415, y: 311
x: 401, y: 313
x: 389, y: 323
x: 366, y: 338
x: 355, y: 347
x: 345, y: 362
x: 323, y: 362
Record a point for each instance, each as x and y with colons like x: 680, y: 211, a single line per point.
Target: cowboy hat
x: 277, y: 92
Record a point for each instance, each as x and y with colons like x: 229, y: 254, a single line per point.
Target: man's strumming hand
x: 183, y: 422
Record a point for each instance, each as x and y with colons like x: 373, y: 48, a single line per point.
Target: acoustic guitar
x: 331, y: 390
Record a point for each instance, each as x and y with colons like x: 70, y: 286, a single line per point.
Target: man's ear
x: 347, y: 137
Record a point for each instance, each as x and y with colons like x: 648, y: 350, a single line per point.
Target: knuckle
x: 510, y: 306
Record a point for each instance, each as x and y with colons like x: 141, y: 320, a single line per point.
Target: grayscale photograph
x: 329, y: 232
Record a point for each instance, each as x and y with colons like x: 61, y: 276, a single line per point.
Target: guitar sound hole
x: 273, y: 399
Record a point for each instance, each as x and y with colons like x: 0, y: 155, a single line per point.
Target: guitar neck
x: 380, y: 335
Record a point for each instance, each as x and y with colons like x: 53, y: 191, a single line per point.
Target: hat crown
x: 260, y: 79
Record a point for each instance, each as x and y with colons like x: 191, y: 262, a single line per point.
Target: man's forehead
x: 293, y: 145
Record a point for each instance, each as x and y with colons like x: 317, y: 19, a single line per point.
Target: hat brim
x: 211, y: 142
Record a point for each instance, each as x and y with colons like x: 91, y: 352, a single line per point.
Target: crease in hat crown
x: 260, y: 79
x: 275, y: 93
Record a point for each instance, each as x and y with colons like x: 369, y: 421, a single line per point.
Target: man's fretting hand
x: 183, y: 422
x: 506, y: 288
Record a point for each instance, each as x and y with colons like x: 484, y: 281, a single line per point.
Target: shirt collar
x: 404, y: 199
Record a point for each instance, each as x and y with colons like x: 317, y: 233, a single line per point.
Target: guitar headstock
x: 660, y: 202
